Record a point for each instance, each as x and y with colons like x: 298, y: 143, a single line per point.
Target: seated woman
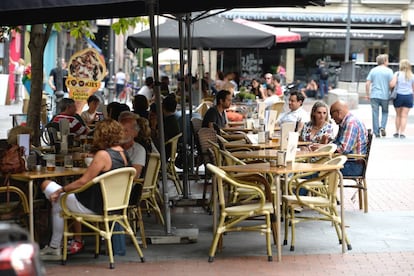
x: 311, y: 89
x: 255, y: 90
x: 109, y: 156
x: 318, y: 130
x: 145, y: 136
x: 91, y: 115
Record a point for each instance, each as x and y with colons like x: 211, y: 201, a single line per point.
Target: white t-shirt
x: 269, y: 101
x: 120, y: 77
x: 146, y: 91
x: 137, y: 154
x: 299, y: 115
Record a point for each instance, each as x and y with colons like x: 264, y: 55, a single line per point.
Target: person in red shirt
x: 76, y: 124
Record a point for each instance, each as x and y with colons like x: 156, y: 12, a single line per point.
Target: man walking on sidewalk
x: 377, y: 89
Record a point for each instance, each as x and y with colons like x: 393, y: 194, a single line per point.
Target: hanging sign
x: 86, y: 70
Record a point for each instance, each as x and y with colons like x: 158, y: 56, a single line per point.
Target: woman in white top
x: 91, y: 116
x: 403, y: 82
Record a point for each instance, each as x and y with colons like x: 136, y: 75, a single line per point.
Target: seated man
x: 352, y: 137
x: 171, y: 126
x: 272, y: 96
x: 135, y: 151
x: 216, y: 115
x: 296, y: 113
x: 147, y: 89
x: 76, y: 124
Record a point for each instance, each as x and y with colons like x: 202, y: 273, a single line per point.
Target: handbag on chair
x: 12, y: 161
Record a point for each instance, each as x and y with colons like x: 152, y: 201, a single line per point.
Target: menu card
x: 271, y: 122
x: 24, y: 141
x: 292, y: 145
x: 285, y: 128
x: 261, y: 107
x: 252, y: 138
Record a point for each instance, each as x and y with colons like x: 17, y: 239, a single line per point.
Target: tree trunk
x: 39, y: 36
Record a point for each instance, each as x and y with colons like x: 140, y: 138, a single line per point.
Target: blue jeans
x: 323, y: 88
x: 352, y: 168
x: 375, y: 105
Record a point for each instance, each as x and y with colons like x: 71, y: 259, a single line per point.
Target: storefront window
x: 332, y: 50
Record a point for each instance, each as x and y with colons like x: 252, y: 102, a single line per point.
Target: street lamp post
x: 348, y: 32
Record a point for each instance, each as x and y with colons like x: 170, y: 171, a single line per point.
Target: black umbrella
x: 26, y: 12
x: 213, y: 32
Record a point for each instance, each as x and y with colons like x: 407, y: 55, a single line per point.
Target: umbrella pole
x: 183, y: 234
x: 160, y: 118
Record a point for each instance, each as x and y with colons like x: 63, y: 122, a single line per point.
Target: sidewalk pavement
x: 382, y: 239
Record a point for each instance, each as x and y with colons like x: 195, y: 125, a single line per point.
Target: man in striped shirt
x: 76, y: 124
x: 352, y: 137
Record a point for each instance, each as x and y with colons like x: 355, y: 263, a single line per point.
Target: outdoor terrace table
x: 238, y: 123
x: 256, y: 146
x: 30, y: 176
x: 268, y: 154
x: 277, y: 172
x: 243, y: 129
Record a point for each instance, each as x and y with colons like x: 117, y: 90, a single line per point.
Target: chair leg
x: 65, y: 241
x: 274, y: 228
x: 268, y: 246
x: 292, y: 228
x: 286, y: 220
x: 206, y: 204
x: 218, y: 235
x: 174, y: 177
x: 364, y: 183
x: 360, y: 195
x: 109, y: 246
x: 141, y: 226
x: 156, y: 208
x: 134, y: 240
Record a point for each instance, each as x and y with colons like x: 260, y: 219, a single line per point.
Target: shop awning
x: 283, y: 35
x: 355, y: 33
x: 166, y: 57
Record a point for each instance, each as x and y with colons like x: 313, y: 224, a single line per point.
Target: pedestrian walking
x: 323, y: 74
x: 377, y: 88
x: 403, y: 83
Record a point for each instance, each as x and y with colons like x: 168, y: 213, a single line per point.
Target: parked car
x: 18, y: 255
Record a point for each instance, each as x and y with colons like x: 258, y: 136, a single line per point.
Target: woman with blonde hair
x: 403, y: 82
x: 319, y: 129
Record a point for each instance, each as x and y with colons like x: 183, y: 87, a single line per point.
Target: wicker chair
x: 360, y: 181
x: 116, y: 188
x: 232, y: 215
x: 323, y: 201
x: 171, y: 171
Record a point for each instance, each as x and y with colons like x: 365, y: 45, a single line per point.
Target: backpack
x: 324, y: 73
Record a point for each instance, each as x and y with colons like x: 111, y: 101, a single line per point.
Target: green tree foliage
x: 39, y: 37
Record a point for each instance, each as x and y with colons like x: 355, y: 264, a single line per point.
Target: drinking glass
x: 50, y: 162
x: 68, y: 161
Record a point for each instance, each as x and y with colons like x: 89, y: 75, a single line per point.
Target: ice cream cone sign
x: 86, y: 70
